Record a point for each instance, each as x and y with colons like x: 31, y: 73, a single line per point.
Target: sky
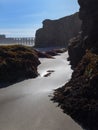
x: 21, y: 18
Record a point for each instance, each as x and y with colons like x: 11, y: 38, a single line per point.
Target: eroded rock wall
x: 88, y: 13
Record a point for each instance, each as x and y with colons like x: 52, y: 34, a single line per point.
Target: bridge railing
x: 18, y: 40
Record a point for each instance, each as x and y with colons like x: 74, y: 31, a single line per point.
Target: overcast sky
x: 24, y: 17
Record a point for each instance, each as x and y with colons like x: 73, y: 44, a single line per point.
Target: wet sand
x: 27, y: 106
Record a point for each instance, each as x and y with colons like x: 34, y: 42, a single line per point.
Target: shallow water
x: 27, y: 106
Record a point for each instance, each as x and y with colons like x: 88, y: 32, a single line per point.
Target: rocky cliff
x: 58, y: 32
x: 79, y: 97
x: 89, y: 15
x: 88, y: 39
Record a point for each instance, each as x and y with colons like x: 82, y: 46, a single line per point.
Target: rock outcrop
x: 57, y: 33
x: 17, y: 63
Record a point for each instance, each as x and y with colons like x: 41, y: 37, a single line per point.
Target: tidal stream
x: 27, y: 106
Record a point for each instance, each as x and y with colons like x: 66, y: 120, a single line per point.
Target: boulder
x: 17, y: 63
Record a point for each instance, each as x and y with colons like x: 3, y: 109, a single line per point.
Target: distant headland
x: 58, y: 32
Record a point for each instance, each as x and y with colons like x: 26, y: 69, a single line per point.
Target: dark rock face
x: 89, y: 15
x: 75, y: 51
x: 58, y: 32
x: 79, y: 97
